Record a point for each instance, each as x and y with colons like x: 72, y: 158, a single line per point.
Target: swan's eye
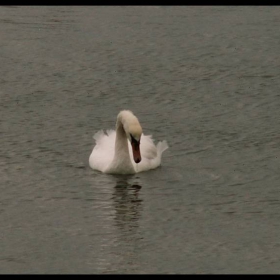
x: 133, y: 140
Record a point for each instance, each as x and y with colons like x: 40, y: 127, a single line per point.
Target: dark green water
x: 206, y: 79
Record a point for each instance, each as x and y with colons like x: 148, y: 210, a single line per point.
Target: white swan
x: 122, y: 152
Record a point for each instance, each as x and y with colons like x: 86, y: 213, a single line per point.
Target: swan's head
x: 134, y: 135
x: 133, y: 131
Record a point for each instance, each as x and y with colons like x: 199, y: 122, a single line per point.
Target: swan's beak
x: 136, y: 151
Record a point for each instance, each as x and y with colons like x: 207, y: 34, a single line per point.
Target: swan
x: 120, y: 151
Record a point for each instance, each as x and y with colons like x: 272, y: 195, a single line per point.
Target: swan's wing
x: 162, y: 146
x: 150, y: 153
x: 147, y: 147
x: 103, y: 151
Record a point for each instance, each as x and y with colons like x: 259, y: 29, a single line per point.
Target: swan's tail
x: 161, y: 147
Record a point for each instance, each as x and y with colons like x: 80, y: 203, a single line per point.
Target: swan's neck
x: 121, y: 162
x: 121, y: 145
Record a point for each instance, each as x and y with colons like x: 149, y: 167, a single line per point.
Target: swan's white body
x: 115, y: 151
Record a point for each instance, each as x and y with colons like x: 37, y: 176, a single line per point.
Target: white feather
x: 106, y: 158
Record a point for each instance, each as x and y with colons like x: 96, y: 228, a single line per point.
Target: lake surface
x: 206, y: 79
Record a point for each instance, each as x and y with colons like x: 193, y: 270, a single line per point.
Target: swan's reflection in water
x: 128, y: 209
x: 127, y: 204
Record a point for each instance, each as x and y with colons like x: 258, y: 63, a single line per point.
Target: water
x: 206, y: 79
